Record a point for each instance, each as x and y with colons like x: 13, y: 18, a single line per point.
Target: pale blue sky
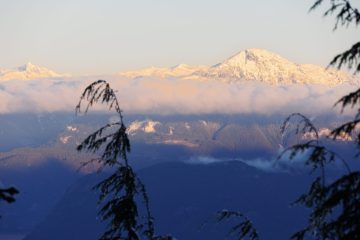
x: 106, y: 36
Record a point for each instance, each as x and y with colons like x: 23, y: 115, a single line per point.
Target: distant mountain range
x: 162, y: 139
x: 191, y: 136
x: 249, y: 65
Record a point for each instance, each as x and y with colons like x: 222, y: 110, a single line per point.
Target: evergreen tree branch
x: 243, y: 230
x: 345, y: 14
x: 120, y: 192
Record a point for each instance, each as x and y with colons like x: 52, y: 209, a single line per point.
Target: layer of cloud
x: 271, y: 164
x: 174, y: 96
x: 203, y: 160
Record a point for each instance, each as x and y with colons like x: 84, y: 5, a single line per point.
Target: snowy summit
x: 268, y: 67
x: 28, y: 71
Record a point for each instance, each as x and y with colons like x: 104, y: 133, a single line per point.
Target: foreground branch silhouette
x: 345, y: 14
x: 244, y: 229
x: 8, y: 194
x: 334, y: 204
x: 121, y: 192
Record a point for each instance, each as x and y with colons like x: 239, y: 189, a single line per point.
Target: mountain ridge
x: 249, y: 65
x: 29, y: 71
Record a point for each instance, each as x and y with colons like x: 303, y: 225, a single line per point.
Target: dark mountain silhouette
x: 41, y: 187
x: 184, y: 197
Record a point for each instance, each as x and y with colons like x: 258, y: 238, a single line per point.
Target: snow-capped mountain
x: 250, y: 65
x: 28, y: 71
x: 264, y: 66
x: 181, y: 70
x: 247, y: 65
x: 249, y: 82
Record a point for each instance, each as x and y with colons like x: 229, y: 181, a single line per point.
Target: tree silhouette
x: 345, y: 15
x: 242, y: 230
x: 8, y: 194
x: 122, y: 190
x: 334, y: 204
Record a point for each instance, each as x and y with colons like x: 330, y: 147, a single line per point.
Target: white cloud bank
x: 174, y: 96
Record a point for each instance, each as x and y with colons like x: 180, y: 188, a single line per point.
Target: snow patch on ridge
x: 147, y: 126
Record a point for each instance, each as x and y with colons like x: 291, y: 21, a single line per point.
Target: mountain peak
x: 28, y: 67
x: 28, y: 71
x: 255, y: 52
x: 254, y: 56
x: 265, y: 66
